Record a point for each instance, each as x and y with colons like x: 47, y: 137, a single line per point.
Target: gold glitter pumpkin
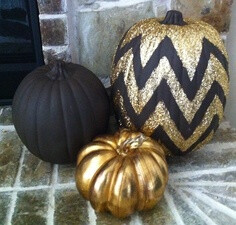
x: 122, y: 173
x: 170, y: 81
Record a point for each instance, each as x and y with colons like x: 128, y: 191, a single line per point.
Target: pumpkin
x: 122, y: 173
x: 57, y: 109
x: 170, y: 81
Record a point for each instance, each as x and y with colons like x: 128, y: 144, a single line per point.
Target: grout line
x: 7, y: 128
x: 65, y: 5
x: 202, y: 183
x: 16, y: 184
x: 18, y: 189
x: 66, y: 186
x: 136, y: 220
x: 52, y: 16
x: 91, y: 214
x: 195, y: 208
x: 51, y: 205
x: 172, y: 207
x: 219, y: 195
x: 12, y: 208
x: 56, y: 47
x: 212, y: 203
x: 40, y: 187
x: 1, y: 111
x: 219, y: 146
x: 198, y: 173
x: 104, y: 5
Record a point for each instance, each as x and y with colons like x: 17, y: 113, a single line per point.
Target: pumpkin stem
x: 131, y: 144
x: 174, y: 17
x: 58, y: 71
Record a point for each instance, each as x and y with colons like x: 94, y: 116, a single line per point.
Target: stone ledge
x: 200, y: 183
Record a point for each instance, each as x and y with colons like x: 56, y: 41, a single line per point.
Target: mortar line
x: 104, y: 5
x: 65, y: 5
x: 55, y: 47
x: 199, y: 172
x: 212, y: 203
x: 195, y: 208
x: 203, y: 183
x: 172, y: 207
x: 136, y: 220
x: 14, y: 193
x: 91, y: 214
x: 51, y: 200
x: 7, y: 128
x: 40, y: 187
x: 52, y: 16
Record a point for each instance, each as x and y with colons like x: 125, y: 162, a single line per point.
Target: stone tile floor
x: 201, y: 188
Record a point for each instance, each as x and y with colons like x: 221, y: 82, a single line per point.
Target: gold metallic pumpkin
x: 170, y: 81
x: 123, y: 173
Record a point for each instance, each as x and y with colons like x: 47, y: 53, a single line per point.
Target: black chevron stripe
x: 163, y: 93
x: 167, y: 49
x: 161, y: 135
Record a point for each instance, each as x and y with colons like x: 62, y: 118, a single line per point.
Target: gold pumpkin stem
x: 131, y: 144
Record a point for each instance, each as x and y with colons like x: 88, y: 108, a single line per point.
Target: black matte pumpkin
x: 57, y: 109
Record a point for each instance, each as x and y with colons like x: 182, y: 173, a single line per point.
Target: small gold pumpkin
x: 123, y: 173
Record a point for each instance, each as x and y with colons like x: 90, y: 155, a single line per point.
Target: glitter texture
x: 187, y: 43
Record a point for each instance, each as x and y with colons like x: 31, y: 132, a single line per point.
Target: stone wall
x: 88, y: 31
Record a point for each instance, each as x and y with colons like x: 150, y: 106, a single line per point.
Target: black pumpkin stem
x: 174, y: 17
x: 58, y: 71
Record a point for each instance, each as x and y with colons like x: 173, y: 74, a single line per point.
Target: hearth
x: 20, y: 44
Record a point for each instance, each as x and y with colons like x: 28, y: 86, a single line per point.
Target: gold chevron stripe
x: 215, y: 71
x: 126, y: 118
x: 187, y: 40
x: 161, y: 117
x: 124, y: 63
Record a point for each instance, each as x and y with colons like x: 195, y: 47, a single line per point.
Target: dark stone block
x: 71, y: 208
x: 51, y: 6
x: 54, y: 31
x: 10, y: 152
x: 35, y: 172
x: 108, y: 219
x: 159, y: 215
x: 5, y: 199
x: 31, y: 208
x: 66, y: 173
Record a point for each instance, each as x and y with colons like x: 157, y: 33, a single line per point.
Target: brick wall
x: 87, y: 31
x: 54, y: 29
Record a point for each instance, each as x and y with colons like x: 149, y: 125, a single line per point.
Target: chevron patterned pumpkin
x: 170, y: 81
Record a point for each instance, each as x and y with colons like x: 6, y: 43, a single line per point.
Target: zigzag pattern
x: 167, y: 49
x: 161, y: 135
x: 163, y: 92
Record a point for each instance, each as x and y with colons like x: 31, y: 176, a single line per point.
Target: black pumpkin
x: 57, y: 109
x: 170, y: 81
